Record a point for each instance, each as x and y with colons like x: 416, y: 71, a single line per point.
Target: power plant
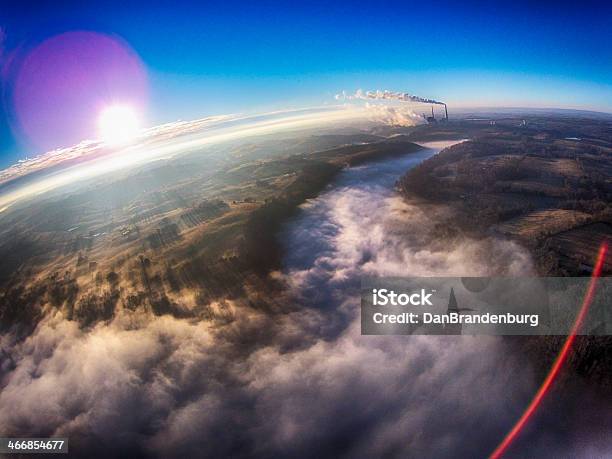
x: 432, y: 119
x: 401, y: 96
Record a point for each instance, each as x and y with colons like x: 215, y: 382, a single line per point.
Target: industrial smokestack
x: 446, y: 112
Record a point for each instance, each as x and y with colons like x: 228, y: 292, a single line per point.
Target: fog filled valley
x: 207, y: 303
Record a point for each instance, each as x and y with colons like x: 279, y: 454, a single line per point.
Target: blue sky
x: 230, y: 56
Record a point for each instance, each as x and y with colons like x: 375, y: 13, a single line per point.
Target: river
x: 408, y: 396
x: 360, y: 225
x: 424, y: 391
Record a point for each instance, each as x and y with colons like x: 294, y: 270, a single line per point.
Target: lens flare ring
x: 559, y: 361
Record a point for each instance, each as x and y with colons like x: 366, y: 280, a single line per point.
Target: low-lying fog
x: 311, y: 386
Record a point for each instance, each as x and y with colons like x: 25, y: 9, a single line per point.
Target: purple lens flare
x: 62, y: 85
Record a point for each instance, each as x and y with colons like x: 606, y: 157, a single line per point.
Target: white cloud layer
x: 309, y: 385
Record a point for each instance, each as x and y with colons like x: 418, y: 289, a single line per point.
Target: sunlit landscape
x: 188, y: 215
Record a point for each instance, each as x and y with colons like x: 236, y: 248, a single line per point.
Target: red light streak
x: 559, y: 361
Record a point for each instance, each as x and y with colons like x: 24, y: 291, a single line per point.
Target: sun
x: 118, y: 124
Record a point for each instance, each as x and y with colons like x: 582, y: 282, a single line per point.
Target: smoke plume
x: 385, y: 95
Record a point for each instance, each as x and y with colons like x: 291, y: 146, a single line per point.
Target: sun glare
x: 118, y: 124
